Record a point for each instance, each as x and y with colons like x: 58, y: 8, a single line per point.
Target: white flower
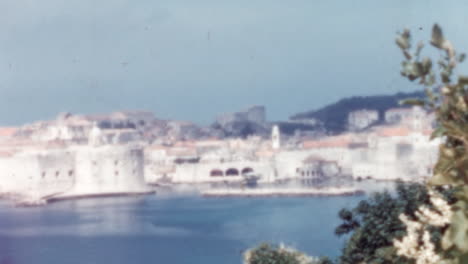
x: 299, y: 256
x: 445, y: 90
x: 417, y: 243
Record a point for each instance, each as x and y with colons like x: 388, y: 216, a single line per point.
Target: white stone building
x: 360, y: 119
x: 415, y: 118
x: 316, y: 170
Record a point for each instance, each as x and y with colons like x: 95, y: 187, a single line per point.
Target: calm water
x: 152, y: 229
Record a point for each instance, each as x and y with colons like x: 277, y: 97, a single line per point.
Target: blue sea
x: 166, y: 229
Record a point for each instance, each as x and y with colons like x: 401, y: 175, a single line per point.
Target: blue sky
x: 191, y: 60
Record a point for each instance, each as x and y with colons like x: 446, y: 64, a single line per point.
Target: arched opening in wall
x: 43, y: 175
x: 70, y: 173
x: 116, y: 162
x: 216, y: 173
x: 116, y: 173
x: 232, y: 172
x: 57, y: 173
x: 246, y: 171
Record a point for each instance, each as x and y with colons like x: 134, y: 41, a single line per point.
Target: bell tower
x: 275, y: 137
x: 95, y: 136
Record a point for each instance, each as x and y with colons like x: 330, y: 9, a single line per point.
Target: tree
x: 273, y: 254
x: 374, y: 224
x: 448, y: 98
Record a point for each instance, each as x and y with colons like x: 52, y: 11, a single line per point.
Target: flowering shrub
x: 417, y: 243
x: 375, y: 223
x: 448, y: 99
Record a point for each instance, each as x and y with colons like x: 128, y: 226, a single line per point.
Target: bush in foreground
x: 374, y: 224
x: 447, y: 97
x: 272, y: 254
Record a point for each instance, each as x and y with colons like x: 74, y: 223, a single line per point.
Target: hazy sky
x: 191, y: 60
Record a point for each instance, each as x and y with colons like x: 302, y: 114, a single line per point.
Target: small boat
x: 251, y: 179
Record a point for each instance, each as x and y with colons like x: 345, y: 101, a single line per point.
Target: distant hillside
x: 334, y: 116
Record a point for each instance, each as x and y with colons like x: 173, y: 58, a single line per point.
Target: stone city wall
x: 74, y: 171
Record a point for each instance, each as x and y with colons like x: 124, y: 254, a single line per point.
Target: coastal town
x: 132, y: 152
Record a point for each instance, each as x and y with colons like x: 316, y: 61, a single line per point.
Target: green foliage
x: 272, y: 254
x: 268, y: 254
x: 448, y: 98
x: 374, y: 224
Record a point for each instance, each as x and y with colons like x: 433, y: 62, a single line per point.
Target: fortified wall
x: 53, y: 162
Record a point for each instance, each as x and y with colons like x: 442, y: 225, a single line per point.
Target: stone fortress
x: 124, y: 152
x: 71, y: 156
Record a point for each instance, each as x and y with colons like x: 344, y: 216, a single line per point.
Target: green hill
x: 334, y: 116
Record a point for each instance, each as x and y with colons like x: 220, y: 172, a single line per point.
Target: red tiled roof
x: 157, y: 147
x: 393, y: 132
x: 182, y: 152
x: 428, y: 132
x: 330, y: 142
x: 6, y: 153
x: 7, y: 131
x: 264, y: 153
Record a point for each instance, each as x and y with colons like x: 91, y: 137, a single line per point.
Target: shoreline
x: 276, y: 192
x: 98, y: 195
x: 205, y: 191
x: 19, y: 201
